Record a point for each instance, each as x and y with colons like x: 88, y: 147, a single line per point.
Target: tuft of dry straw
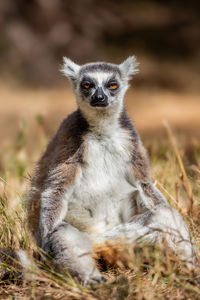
x: 186, y: 182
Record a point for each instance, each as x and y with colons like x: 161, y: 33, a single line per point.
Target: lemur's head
x: 100, y: 85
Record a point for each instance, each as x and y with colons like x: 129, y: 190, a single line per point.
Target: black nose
x: 99, y: 95
x: 99, y: 98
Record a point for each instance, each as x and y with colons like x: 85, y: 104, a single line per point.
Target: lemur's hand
x: 95, y: 278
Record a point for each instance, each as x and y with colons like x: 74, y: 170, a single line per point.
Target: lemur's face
x: 100, y: 85
x: 97, y: 86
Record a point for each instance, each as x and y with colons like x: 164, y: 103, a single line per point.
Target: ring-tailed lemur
x: 93, y: 182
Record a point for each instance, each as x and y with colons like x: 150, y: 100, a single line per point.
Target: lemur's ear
x: 70, y: 69
x: 129, y: 67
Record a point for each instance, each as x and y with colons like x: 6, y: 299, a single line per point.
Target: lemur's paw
x: 95, y: 279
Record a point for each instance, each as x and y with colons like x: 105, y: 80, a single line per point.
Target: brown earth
x: 148, y: 109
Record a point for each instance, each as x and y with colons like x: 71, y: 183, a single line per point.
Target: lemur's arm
x: 54, y: 195
x: 148, y: 195
x: 55, y: 174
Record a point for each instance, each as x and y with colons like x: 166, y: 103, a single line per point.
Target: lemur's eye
x: 87, y: 84
x: 113, y: 86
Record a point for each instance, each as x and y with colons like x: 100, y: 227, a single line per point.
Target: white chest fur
x: 102, y: 195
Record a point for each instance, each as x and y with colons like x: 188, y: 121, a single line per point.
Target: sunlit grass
x: 146, y: 272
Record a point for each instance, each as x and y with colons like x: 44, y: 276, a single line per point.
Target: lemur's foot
x: 95, y: 278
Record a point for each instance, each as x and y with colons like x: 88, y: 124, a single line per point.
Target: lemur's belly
x: 97, y: 208
x: 102, y: 196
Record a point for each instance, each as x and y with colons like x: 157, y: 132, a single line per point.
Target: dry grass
x: 145, y: 272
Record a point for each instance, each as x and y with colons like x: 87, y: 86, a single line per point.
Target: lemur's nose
x: 99, y: 98
x: 99, y: 95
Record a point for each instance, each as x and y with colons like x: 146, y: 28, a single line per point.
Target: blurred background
x: 165, y: 36
x: 36, y: 34
x: 35, y: 97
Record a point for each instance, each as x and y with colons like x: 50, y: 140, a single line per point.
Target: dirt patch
x: 147, y: 109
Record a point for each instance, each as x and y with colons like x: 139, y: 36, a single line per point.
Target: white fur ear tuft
x: 70, y: 69
x: 129, y: 67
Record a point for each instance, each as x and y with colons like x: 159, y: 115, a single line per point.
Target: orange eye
x: 86, y: 86
x: 113, y: 86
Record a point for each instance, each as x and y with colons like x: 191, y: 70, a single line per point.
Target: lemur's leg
x: 154, y: 225
x: 72, y: 250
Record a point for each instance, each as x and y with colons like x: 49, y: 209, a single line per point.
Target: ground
x: 27, y: 119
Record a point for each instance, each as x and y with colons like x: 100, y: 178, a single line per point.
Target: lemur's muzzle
x: 99, y: 98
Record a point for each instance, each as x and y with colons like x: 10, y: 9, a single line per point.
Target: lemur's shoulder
x: 66, y: 147
x: 74, y: 126
x: 70, y: 133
